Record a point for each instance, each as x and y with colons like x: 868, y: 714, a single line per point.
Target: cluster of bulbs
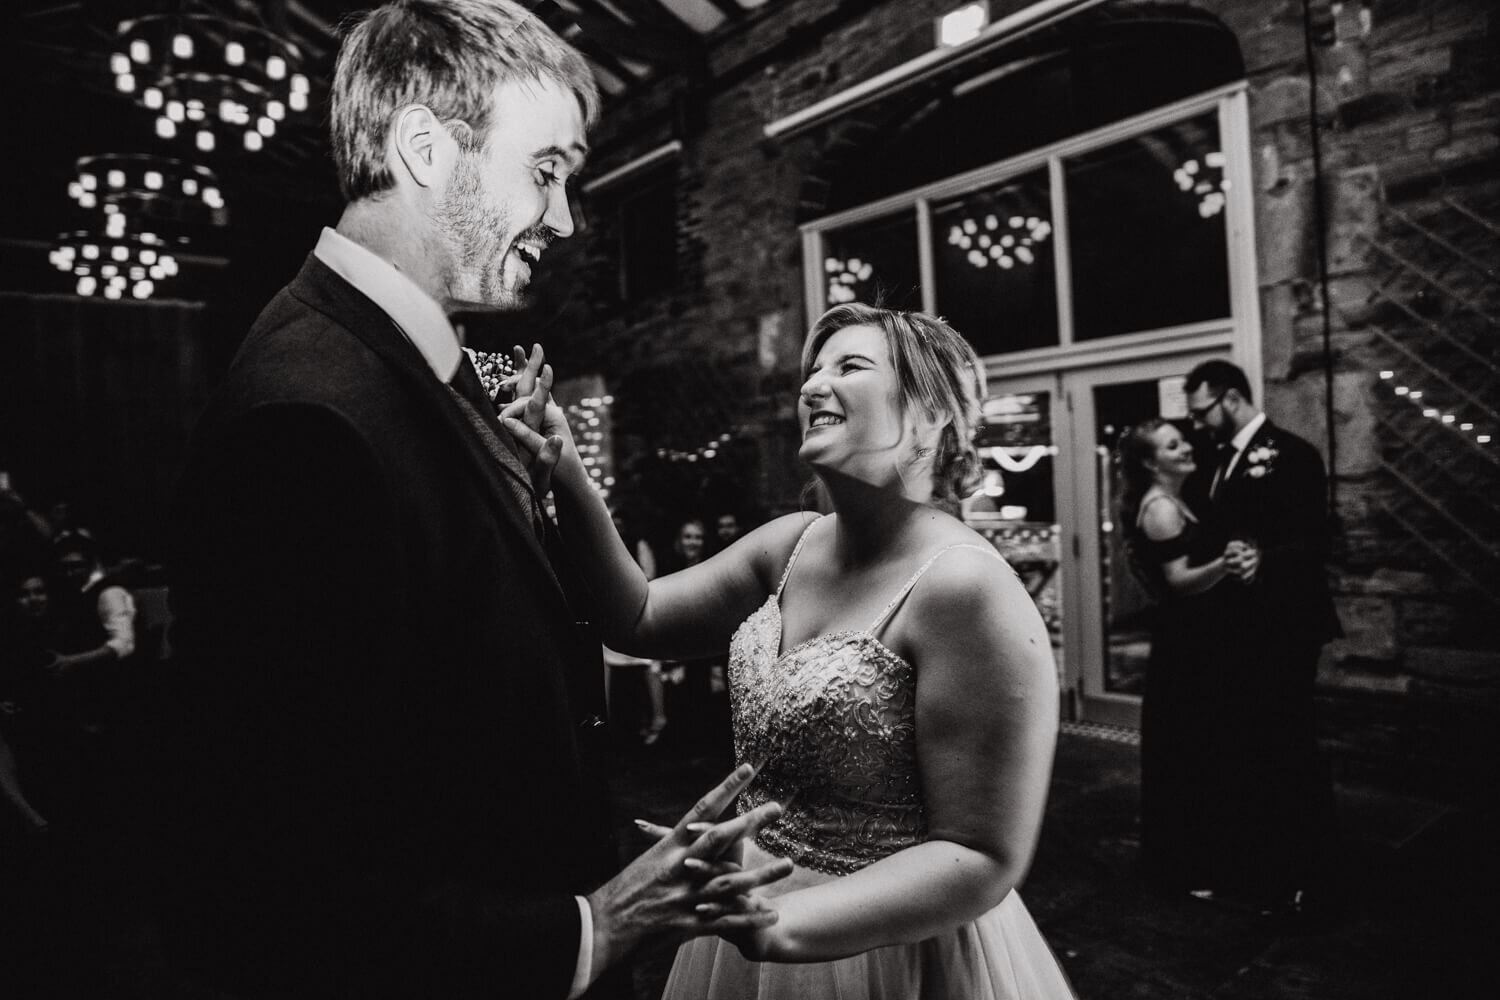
x: 133, y: 194
x: 208, y: 76
x: 987, y: 240
x: 843, y: 275
x: 115, y: 264
x: 1206, y: 180
x: 1415, y: 397
x: 110, y: 181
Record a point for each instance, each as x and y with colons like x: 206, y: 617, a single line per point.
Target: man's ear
x: 421, y: 147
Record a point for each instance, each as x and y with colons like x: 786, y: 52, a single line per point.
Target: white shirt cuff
x: 583, y: 971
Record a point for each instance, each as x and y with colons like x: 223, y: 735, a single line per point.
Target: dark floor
x: 1419, y: 920
x: 1411, y: 924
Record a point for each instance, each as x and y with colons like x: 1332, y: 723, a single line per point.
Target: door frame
x: 1088, y: 466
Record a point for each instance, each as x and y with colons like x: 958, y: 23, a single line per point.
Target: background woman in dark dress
x: 1180, y: 562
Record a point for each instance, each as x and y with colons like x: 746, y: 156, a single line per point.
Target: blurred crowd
x: 83, y: 643
x: 673, y: 706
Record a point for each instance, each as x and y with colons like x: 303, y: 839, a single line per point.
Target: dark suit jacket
x: 1276, y: 495
x: 388, y: 695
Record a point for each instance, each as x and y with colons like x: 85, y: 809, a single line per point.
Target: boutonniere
x: 1260, y: 460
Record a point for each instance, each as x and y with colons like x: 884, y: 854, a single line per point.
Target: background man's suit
x: 390, y: 695
x: 1274, y: 496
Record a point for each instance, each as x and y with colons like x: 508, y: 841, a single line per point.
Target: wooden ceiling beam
x: 731, y: 10
x: 646, y: 13
x: 642, y: 43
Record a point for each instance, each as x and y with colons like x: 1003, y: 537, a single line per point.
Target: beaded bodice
x: 832, y: 724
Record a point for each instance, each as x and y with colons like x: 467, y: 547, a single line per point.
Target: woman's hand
x: 534, y: 419
x: 758, y: 944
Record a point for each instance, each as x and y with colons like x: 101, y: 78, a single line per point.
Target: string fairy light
x: 1403, y: 390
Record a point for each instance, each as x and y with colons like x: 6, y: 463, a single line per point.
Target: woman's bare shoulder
x: 1162, y: 517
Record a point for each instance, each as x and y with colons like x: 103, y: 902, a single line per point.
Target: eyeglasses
x: 1198, y: 413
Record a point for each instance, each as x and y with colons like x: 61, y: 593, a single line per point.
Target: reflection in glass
x: 874, y: 263
x: 1126, y: 608
x: 1015, y: 506
x: 992, y: 256
x: 1146, y: 231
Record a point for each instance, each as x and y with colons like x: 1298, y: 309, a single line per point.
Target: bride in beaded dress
x: 889, y: 676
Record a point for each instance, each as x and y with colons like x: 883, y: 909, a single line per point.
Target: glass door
x: 1018, y: 504
x: 1108, y: 632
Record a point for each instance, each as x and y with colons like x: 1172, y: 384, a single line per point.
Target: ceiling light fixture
x: 143, y: 186
x: 224, y: 83
x: 116, y: 262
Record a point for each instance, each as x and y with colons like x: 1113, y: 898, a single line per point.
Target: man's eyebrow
x: 575, y: 156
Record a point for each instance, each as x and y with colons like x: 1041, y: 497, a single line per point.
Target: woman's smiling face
x: 849, y: 408
x: 1174, y: 455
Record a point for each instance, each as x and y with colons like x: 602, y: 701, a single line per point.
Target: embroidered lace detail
x: 832, y: 722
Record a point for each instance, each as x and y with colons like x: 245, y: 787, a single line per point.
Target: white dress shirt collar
x: 1241, y: 439
x: 417, y: 314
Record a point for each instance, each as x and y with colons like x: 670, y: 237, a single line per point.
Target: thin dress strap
x: 793, y: 558
x: 912, y: 580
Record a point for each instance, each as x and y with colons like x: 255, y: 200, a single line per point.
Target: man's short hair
x: 1219, y: 375
x: 448, y: 55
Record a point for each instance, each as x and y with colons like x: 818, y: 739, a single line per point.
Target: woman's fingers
x: 721, y: 836
x: 708, y: 808
x: 732, y: 884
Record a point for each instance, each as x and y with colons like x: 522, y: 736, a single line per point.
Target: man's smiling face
x: 507, y: 200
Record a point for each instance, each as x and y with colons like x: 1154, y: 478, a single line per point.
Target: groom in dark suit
x: 1268, y: 498
x: 391, y: 714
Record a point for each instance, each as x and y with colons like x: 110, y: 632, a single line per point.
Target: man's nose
x: 559, y: 215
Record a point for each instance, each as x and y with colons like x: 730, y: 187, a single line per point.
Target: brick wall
x: 1408, y: 109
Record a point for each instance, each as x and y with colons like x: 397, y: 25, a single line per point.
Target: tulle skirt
x: 999, y: 956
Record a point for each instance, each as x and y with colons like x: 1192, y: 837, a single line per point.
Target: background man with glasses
x: 1269, y: 494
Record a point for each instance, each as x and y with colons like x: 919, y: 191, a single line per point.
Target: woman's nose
x: 814, y: 389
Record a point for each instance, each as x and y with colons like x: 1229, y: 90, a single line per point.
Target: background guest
x: 644, y: 674
x: 1270, y: 492
x: 1179, y: 564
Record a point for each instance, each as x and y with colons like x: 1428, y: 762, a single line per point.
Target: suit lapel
x: 325, y: 291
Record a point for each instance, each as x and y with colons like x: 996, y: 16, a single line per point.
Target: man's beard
x: 475, y: 233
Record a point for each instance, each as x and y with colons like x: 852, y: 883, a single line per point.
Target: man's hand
x: 535, y: 422
x: 1243, y: 560
x: 682, y: 887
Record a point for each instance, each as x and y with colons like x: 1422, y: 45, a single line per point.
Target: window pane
x: 1146, y: 231
x: 993, y: 261
x: 874, y: 262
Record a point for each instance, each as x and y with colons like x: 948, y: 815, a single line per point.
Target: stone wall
x: 1407, y: 109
